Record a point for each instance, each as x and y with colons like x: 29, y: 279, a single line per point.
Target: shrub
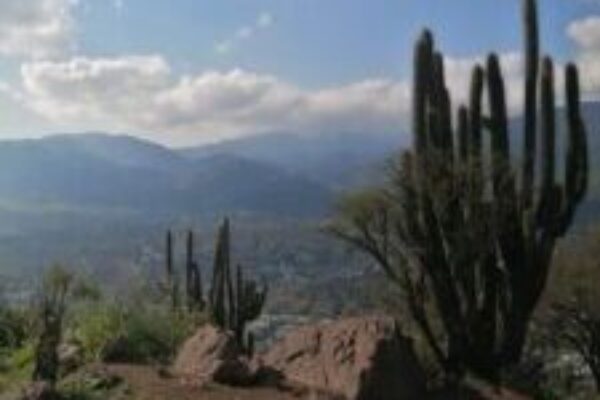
x: 95, y: 328
x: 149, y: 334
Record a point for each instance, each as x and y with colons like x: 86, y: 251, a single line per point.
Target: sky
x: 187, y: 72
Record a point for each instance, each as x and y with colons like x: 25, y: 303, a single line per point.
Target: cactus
x: 54, y: 299
x: 194, y: 290
x: 172, y: 280
x: 249, y: 305
x: 233, y: 306
x: 221, y: 279
x: 477, y: 238
x: 169, y: 258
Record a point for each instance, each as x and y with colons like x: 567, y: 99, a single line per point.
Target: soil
x: 148, y: 383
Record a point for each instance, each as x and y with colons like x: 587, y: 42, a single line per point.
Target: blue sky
x: 192, y: 71
x: 316, y: 42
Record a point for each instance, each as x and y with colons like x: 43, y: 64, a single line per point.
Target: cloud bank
x: 141, y: 93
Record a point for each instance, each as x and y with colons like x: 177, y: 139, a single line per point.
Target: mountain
x: 121, y: 172
x: 102, y: 202
x: 344, y: 161
x: 337, y: 160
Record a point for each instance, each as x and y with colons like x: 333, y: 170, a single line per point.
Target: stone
x: 361, y: 358
x: 70, y: 357
x: 213, y: 355
x: 39, y: 391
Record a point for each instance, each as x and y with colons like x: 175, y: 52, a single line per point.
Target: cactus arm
x: 475, y: 139
x: 548, y: 142
x: 530, y: 121
x: 463, y: 135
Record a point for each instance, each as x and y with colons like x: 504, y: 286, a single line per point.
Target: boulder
x: 214, y: 355
x: 70, y: 357
x: 363, y: 358
x: 39, y: 391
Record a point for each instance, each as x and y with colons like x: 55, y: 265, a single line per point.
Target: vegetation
x: 440, y: 200
x: 467, y: 237
x: 577, y: 326
x: 56, y: 289
x: 233, y: 301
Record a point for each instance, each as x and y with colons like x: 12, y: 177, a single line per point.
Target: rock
x: 70, y: 357
x: 39, y: 391
x: 214, y: 355
x: 236, y: 372
x: 358, y: 358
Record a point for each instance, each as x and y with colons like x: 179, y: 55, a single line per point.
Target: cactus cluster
x: 486, y: 294
x: 232, y: 301
x: 464, y: 229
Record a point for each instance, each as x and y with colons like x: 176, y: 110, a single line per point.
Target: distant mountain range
x: 277, y: 174
x: 337, y: 160
x: 284, y: 174
x: 102, y: 202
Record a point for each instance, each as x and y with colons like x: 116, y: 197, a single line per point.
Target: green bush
x: 16, y: 325
x: 96, y: 327
x: 150, y: 335
x: 17, y: 366
x: 93, y: 384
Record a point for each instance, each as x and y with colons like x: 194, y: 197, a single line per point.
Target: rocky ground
x: 364, y: 358
x: 147, y: 383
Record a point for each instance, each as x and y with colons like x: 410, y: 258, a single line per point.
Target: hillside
x: 338, y: 160
x: 119, y: 172
x: 102, y: 202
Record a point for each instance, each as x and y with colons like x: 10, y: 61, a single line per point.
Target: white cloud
x: 36, y: 28
x: 142, y: 94
x: 93, y: 91
x: 264, y: 21
x: 585, y: 32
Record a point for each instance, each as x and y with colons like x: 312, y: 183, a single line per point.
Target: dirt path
x: 147, y: 384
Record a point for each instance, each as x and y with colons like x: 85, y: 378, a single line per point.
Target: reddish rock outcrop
x: 214, y: 355
x: 358, y: 358
x: 39, y: 391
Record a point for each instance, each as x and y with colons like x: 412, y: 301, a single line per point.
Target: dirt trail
x: 147, y: 384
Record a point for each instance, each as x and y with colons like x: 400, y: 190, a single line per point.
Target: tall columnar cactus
x: 169, y: 258
x: 194, y: 289
x: 517, y: 229
x: 233, y: 305
x: 172, y: 284
x: 55, y: 295
x: 250, y: 301
x: 473, y: 227
x: 221, y: 290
